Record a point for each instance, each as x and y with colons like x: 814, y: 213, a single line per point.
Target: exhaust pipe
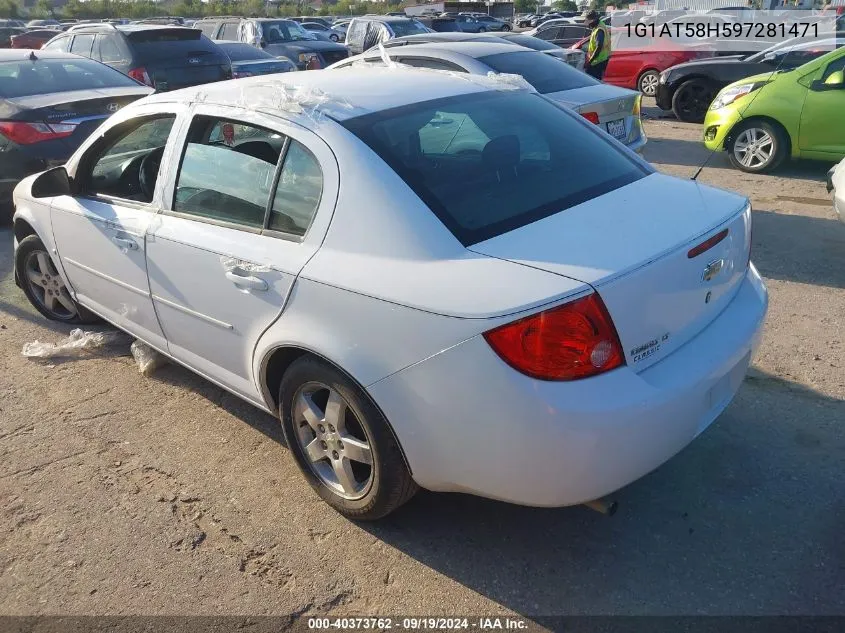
x: 605, y: 506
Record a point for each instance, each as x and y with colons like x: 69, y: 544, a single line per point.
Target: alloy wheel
x: 333, y: 440
x: 648, y: 84
x: 47, y: 286
x: 754, y: 148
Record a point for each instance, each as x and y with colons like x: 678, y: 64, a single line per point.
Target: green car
x: 763, y: 119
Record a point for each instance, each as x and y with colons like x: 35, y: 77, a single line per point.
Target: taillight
x: 638, y: 105
x: 571, y: 341
x: 238, y: 74
x: 140, y: 74
x: 29, y: 133
x: 592, y: 117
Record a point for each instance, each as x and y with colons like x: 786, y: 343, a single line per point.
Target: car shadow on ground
x: 177, y: 376
x: 735, y: 524
x: 693, y: 154
x: 799, y: 248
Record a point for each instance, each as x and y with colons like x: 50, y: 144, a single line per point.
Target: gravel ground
x: 121, y: 494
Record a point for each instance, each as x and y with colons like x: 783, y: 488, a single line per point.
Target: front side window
x: 489, y: 163
x: 284, y: 31
x: 411, y: 27
x: 229, y: 170
x: 126, y: 165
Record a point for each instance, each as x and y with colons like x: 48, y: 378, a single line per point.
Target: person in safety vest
x: 598, y: 48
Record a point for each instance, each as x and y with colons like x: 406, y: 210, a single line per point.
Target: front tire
x: 482, y: 30
x: 43, y: 285
x: 757, y: 146
x: 334, y: 38
x: 647, y: 83
x: 341, y: 442
x: 691, y: 100
x: 506, y: 28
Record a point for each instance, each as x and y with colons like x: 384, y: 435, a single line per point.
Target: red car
x: 34, y: 39
x: 640, y: 69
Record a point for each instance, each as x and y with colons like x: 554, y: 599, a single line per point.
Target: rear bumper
x: 468, y: 422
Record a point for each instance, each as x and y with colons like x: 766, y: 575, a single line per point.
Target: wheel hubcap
x: 753, y: 148
x: 649, y: 84
x: 333, y: 440
x: 47, y: 286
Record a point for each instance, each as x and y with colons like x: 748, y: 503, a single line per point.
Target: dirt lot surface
x: 121, y: 494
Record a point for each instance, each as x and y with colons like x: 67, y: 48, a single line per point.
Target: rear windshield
x: 284, y: 31
x: 542, y: 71
x: 25, y: 78
x: 174, y: 44
x: 407, y: 27
x: 489, y: 163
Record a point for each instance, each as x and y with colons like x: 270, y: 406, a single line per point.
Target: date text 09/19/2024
x: 417, y: 623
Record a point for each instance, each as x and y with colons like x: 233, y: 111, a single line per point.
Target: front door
x: 100, y: 232
x: 238, y: 231
x: 823, y: 115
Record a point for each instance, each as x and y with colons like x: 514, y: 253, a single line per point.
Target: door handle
x: 253, y: 283
x: 123, y: 242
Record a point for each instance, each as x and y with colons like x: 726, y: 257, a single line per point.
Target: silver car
x: 836, y: 185
x: 615, y: 110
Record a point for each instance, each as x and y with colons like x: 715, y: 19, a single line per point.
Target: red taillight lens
x: 29, y: 133
x: 707, y: 244
x: 572, y: 341
x: 592, y: 117
x: 140, y: 74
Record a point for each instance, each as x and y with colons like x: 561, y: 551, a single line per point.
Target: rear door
x: 178, y: 57
x: 247, y: 209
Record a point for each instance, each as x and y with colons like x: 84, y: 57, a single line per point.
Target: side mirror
x: 53, y: 182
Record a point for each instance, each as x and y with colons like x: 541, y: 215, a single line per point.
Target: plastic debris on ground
x: 147, y: 359
x: 78, y: 343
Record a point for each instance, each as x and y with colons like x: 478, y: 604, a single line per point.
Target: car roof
x: 341, y: 93
x: 384, y: 18
x: 22, y: 54
x: 451, y: 36
x: 473, y: 49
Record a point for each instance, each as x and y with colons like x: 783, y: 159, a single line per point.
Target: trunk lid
x: 179, y: 57
x: 632, y: 246
x: 614, y: 107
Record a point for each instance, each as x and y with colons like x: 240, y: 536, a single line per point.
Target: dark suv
x: 279, y: 37
x: 164, y: 57
x: 366, y: 31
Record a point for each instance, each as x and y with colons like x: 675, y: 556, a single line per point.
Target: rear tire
x: 45, y: 288
x: 691, y: 100
x: 506, y: 28
x: 647, y: 83
x: 341, y: 442
x: 482, y: 30
x: 757, y: 146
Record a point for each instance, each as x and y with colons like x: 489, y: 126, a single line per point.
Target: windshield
x: 491, y: 162
x: 543, y: 72
x: 284, y: 31
x: 407, y: 27
x: 45, y: 76
x: 795, y: 44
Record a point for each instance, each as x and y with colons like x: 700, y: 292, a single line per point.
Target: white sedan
x: 433, y: 280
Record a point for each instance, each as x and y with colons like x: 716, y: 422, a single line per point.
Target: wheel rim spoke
x: 43, y: 262
x: 335, y: 410
x: 34, y: 277
x: 345, y: 476
x: 49, y: 300
x: 315, y: 450
x: 356, y: 450
x: 308, y: 411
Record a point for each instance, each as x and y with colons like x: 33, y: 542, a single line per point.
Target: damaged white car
x: 433, y: 280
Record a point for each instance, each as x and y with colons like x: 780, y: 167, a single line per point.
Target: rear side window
x: 230, y: 169
x: 489, y: 163
x: 229, y: 32
x: 543, y: 72
x: 109, y: 50
x: 208, y: 28
x: 82, y: 45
